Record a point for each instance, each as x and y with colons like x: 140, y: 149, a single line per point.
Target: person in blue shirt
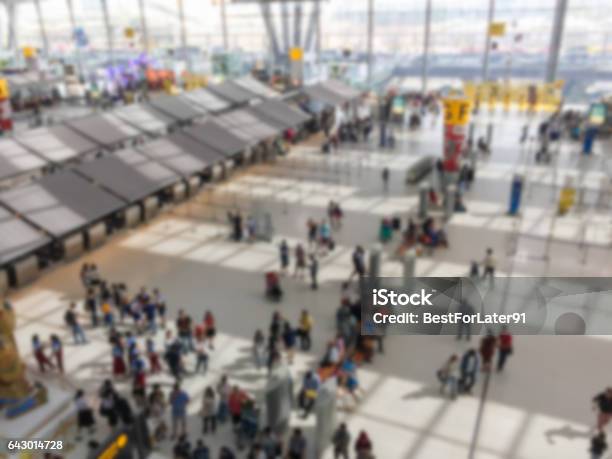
x: 469, y: 366
x: 289, y: 341
x: 179, y: 399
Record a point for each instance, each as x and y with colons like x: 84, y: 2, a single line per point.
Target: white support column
x: 181, y: 12
x: 43, y: 29
x: 487, y: 50
x: 555, y: 41
x: 370, y: 40
x: 77, y: 48
x: 144, y: 27
x: 110, y: 41
x: 427, y: 34
x: 224, y: 26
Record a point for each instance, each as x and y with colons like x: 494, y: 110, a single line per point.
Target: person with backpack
x: 341, y: 441
x: 469, y: 366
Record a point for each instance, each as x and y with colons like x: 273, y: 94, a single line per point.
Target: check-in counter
x: 132, y: 216
x: 179, y: 192
x: 150, y: 207
x: 73, y: 246
x: 195, y: 183
x: 4, y: 282
x: 26, y: 270
x: 96, y: 235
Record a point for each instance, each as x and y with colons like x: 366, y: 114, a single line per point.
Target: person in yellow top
x: 304, y: 329
x: 107, y: 313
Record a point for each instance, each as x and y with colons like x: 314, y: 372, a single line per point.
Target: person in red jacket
x: 363, y: 445
x: 487, y: 350
x: 235, y: 401
x: 505, y: 348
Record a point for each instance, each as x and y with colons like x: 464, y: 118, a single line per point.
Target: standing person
x: 314, y: 271
x: 183, y: 326
x: 201, y: 357
x: 384, y: 118
x: 469, y: 370
x: 289, y: 341
x: 234, y: 403
x: 305, y: 329
x: 448, y: 376
x: 179, y: 399
x: 385, y: 179
x: 363, y: 445
x: 259, y: 349
x: 209, y: 411
x: 284, y: 256
x: 211, y: 329
x: 119, y: 367
x: 201, y: 451
x: 85, y: 415
x: 39, y: 354
x: 324, y: 237
x: 297, y: 445
x: 464, y: 328
x: 603, y: 404
x: 161, y: 306
x: 341, y: 441
x: 312, y: 228
x: 358, y: 263
x: 505, y: 348
x: 598, y: 445
x: 91, y: 306
x: 487, y: 350
x: 108, y: 408
x: 107, y: 314
x: 57, y: 350
x: 149, y: 308
x: 300, y: 261
x: 489, y: 264
x: 71, y: 319
x: 154, y: 363
x: 223, y: 391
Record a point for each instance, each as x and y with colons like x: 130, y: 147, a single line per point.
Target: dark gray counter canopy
x: 145, y: 118
x: 172, y: 155
x: 61, y: 203
x: 56, y: 143
x: 280, y: 113
x: 233, y: 92
x: 177, y: 108
x: 324, y: 95
x: 206, y: 100
x: 217, y: 137
x: 256, y: 87
x: 129, y: 174
x: 246, y: 125
x: 341, y: 89
x: 18, y: 238
x: 203, y: 151
x: 105, y: 129
x: 16, y: 160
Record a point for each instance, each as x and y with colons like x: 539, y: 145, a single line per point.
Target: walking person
x: 363, y: 445
x: 448, y: 376
x: 598, y: 445
x: 39, y: 354
x: 603, y: 405
x: 300, y: 261
x: 209, y: 411
x: 289, y: 341
x: 341, y: 441
x: 223, y: 391
x: 489, y: 264
x: 71, y: 319
x: 464, y: 328
x: 91, y: 306
x: 284, y: 256
x: 385, y: 179
x: 313, y: 230
x: 179, y: 399
x: 211, y: 329
x: 304, y: 330
x: 487, y: 350
x: 85, y: 414
x: 57, y: 350
x: 358, y: 263
x: 505, y: 348
x: 314, y: 271
x: 201, y: 357
x: 297, y: 445
x: 259, y: 349
x: 469, y: 366
x: 153, y: 356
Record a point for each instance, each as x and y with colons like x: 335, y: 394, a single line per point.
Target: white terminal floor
x: 538, y: 408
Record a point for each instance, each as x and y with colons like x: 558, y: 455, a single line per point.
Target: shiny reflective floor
x: 538, y: 408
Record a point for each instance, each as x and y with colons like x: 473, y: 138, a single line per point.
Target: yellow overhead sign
x: 296, y: 54
x: 5, y: 93
x: 497, y: 29
x: 29, y: 52
x: 129, y: 32
x: 456, y: 112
